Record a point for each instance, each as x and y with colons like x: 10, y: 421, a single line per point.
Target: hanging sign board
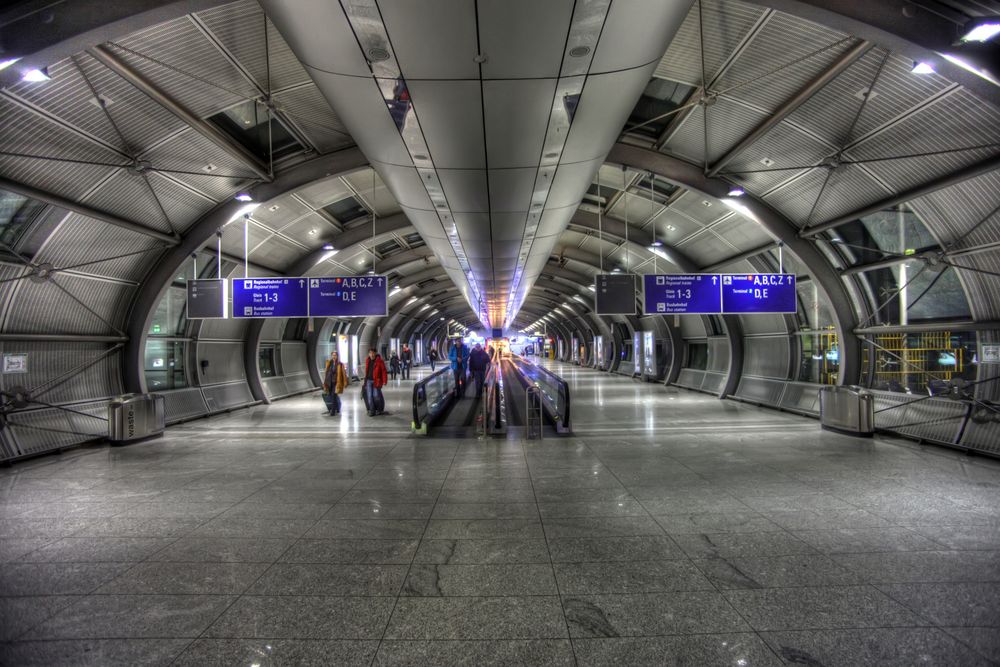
x: 719, y: 293
x: 744, y: 293
x: 270, y: 297
x: 681, y: 294
x: 615, y: 294
x: 348, y: 296
x: 15, y: 362
x: 207, y: 300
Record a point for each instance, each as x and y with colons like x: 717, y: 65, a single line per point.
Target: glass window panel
x: 923, y: 363
x: 820, y: 358
x: 661, y: 96
x: 164, y: 365
x: 169, y: 318
x: 698, y: 356
x: 249, y: 124
x: 268, y: 366
x: 932, y: 293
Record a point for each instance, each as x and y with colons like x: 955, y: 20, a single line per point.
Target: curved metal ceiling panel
x: 492, y: 111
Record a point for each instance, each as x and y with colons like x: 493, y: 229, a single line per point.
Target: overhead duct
x: 487, y: 119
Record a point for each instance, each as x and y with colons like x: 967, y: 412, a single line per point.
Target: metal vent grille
x: 183, y: 404
x: 227, y: 396
x: 801, y: 397
x: 760, y: 390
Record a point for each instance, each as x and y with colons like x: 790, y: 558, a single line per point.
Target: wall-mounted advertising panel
x: 348, y: 296
x: 637, y: 353
x: 719, y: 293
x: 207, y: 300
x: 615, y: 294
x: 649, y: 360
x: 270, y: 297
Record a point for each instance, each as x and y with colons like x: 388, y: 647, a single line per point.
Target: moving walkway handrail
x: 431, y: 396
x: 493, y: 415
x: 553, y: 390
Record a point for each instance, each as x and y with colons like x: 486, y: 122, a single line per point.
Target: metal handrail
x: 553, y: 391
x: 430, y: 397
x: 492, y: 418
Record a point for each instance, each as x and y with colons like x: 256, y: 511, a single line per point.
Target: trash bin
x: 847, y: 409
x: 135, y: 416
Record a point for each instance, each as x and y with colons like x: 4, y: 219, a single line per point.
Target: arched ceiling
x: 151, y: 121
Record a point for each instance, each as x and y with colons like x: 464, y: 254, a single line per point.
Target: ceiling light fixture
x: 36, y: 75
x: 736, y: 191
x: 313, y: 232
x: 327, y: 246
x: 4, y: 64
x: 922, y: 68
x: 671, y: 228
x: 243, y: 196
x: 981, y: 30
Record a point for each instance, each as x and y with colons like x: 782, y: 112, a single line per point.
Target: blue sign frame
x: 270, y: 297
x: 719, y: 294
x: 349, y: 296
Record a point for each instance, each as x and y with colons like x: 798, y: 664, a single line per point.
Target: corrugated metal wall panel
x: 39, y: 431
x: 934, y: 419
x: 231, y: 329
x: 48, y: 362
x: 690, y: 378
x: 801, y: 397
x: 298, y: 382
x: 47, y: 308
x: 308, y: 109
x: 182, y: 404
x: 293, y: 357
x: 191, y: 151
x: 225, y: 361
x: 227, y: 396
x: 760, y: 390
x: 766, y: 357
x: 718, y: 354
x: 79, y: 240
x: 713, y: 382
x: 274, y: 387
x: 983, y: 436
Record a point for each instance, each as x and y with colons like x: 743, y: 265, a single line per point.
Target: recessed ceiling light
x: 706, y: 203
x: 209, y: 168
x: 766, y: 161
x: 420, y: 156
x: 736, y: 192
x: 378, y: 54
x: 4, y: 64
x: 657, y: 243
x: 313, y: 232
x: 243, y: 196
x: 273, y: 208
x: 981, y: 30
x: 922, y: 68
x: 327, y: 246
x: 36, y: 75
x: 671, y: 228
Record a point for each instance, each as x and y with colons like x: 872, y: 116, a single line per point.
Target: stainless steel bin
x: 847, y: 409
x: 135, y: 416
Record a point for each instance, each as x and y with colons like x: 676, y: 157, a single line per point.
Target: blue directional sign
x: 270, y: 297
x: 350, y: 296
x: 681, y: 294
x: 744, y: 293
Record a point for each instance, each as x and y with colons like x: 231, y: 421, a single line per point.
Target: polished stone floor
x: 671, y: 528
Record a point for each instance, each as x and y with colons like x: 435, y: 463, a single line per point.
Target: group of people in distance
x: 464, y: 362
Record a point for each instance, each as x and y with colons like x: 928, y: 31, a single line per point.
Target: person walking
x: 459, y: 356
x: 393, y: 365
x: 406, y: 359
x: 479, y: 363
x: 335, y: 381
x: 432, y: 356
x: 375, y: 379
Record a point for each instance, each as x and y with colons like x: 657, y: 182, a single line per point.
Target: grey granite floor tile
x: 152, y: 578
x: 650, y: 576
x: 170, y: 509
x: 138, y: 527
x: 57, y: 578
x: 489, y: 510
x: 223, y: 550
x: 731, y: 522
x: 735, y: 545
x: 96, y: 652
x: 17, y: 548
x: 351, y: 551
x: 42, y: 528
x: 891, y: 647
x: 761, y: 501
x: 536, y: 652
x: 519, y: 494
x: 246, y: 526
x: 675, y: 613
x: 434, y: 580
x: 260, y: 510
x: 601, y: 527
x: 963, y: 537
x: 826, y: 607
x: 304, y: 617
x: 600, y: 508
x: 380, y: 511
x: 20, y: 614
x: 924, y: 566
x: 826, y: 519
x: 600, y: 549
x: 777, y: 572
x: 535, y: 617
x: 390, y: 496
x: 375, y: 529
x: 124, y: 616
x: 984, y: 641
x: 330, y: 579
x: 951, y: 604
x: 99, y: 549
x: 482, y: 551
x: 865, y: 540
x: 465, y: 529
x: 736, y: 649
x: 274, y: 652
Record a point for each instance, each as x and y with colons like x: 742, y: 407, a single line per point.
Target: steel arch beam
x: 826, y: 278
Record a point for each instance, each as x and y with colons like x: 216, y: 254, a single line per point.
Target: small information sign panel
x: 615, y: 294
x: 207, y: 300
x: 744, y: 293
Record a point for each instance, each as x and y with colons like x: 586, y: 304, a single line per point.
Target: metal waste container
x: 847, y: 409
x: 135, y: 416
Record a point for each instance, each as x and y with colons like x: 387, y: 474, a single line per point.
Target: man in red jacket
x: 375, y: 377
